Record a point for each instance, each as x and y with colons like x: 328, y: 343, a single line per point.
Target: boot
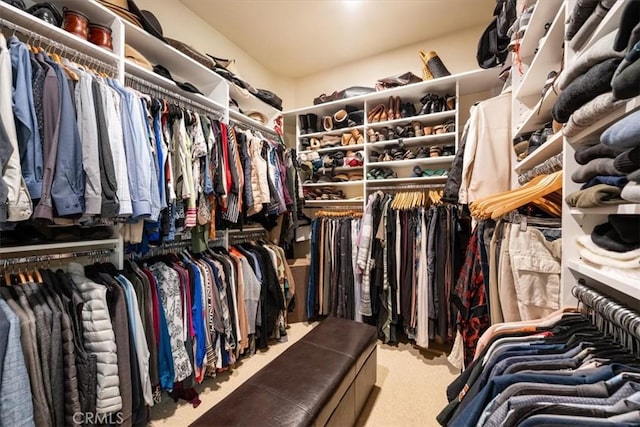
x: 304, y: 127
x: 436, y: 66
x: 312, y: 123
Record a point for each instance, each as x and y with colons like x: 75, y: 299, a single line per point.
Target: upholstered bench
x: 323, y: 379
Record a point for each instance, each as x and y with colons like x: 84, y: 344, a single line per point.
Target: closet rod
x: 623, y: 318
x: 403, y: 187
x: 345, y: 208
x: 247, y: 237
x: 183, y: 101
x: 53, y: 257
x: 55, y: 45
x: 248, y: 126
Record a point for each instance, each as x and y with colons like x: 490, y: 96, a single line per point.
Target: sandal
x: 408, y: 155
x: 438, y: 130
x: 450, y: 126
x: 346, y: 139
x: 435, y: 151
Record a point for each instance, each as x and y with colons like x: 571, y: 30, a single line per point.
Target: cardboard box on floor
x: 300, y: 270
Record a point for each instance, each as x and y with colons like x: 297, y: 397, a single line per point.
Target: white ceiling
x: 296, y: 38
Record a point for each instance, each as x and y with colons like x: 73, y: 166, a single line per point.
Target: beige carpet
x: 409, y: 391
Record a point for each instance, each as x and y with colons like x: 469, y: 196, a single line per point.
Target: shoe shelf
x: 610, y: 22
x: 415, y: 141
x: 334, y: 184
x: 442, y: 160
x: 537, y: 116
x: 598, y: 127
x: 332, y: 132
x: 356, y: 147
x: 543, y: 13
x: 248, y: 102
x: 550, y: 148
x: 324, y: 202
x: 620, y: 282
x: 433, y: 118
x: 340, y: 169
x: 410, y: 180
x: 547, y: 59
x: 625, y: 208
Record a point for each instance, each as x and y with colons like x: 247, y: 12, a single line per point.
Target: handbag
x: 397, y: 80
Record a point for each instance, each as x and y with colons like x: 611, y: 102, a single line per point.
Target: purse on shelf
x: 397, y: 80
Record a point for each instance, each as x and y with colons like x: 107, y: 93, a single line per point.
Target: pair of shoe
x: 539, y: 137
x: 350, y: 116
x: 354, y: 137
x: 419, y: 172
x: 324, y: 194
x: 434, y: 103
x: 354, y: 159
x: 308, y: 123
x: 381, y: 173
x: 447, y: 127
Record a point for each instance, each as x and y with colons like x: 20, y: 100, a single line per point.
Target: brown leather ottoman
x: 323, y: 379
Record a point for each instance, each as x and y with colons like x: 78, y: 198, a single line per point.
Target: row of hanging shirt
x: 80, y: 148
x: 408, y: 257
x: 101, y: 341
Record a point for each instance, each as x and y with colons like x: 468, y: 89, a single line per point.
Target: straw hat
x: 121, y: 8
x: 134, y: 56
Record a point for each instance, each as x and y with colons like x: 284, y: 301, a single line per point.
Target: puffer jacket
x: 99, y: 339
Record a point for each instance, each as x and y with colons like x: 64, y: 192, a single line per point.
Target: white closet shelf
x: 182, y: 67
x: 442, y: 160
x: 610, y: 22
x: 15, y: 250
x: 323, y: 203
x: 543, y: 13
x: 58, y: 35
x: 334, y: 184
x: 619, y: 282
x: 433, y: 118
x: 625, y: 208
x: 409, y: 180
x: 416, y: 141
x: 469, y: 82
x: 333, y: 132
x: 356, y: 147
x: 234, y: 115
x: 550, y: 148
x: 346, y: 169
x: 161, y: 81
x: 547, y: 59
x: 249, y: 102
x: 630, y: 106
x: 536, y: 119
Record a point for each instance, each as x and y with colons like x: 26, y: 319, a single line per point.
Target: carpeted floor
x: 409, y: 391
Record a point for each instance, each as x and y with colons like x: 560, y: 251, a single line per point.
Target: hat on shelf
x: 258, y: 116
x: 164, y: 72
x: 128, y: 10
x: 136, y: 57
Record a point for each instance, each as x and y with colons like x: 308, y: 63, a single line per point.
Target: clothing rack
x: 183, y: 101
x: 249, y: 126
x: 246, y: 235
x: 621, y: 322
x: 94, y: 253
x: 73, y: 54
x: 403, y: 187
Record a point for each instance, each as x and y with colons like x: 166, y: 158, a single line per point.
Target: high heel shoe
x: 375, y: 114
x: 398, y: 108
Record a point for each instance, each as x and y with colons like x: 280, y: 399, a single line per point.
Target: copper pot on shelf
x: 76, y: 23
x: 101, y: 36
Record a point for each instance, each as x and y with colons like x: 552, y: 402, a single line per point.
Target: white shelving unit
x: 467, y: 88
x: 578, y: 222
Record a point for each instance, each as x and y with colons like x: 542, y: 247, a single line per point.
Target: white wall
x: 457, y: 51
x: 180, y: 23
